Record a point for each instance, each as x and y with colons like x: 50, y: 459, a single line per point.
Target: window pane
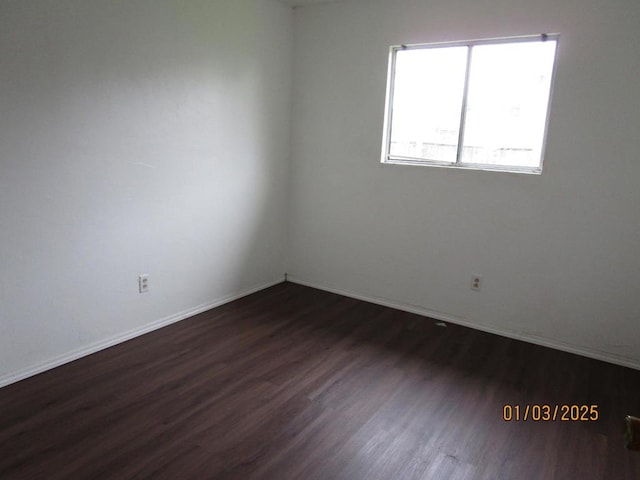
x: 507, y: 103
x: 427, y: 101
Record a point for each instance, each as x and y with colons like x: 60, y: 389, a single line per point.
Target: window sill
x: 463, y: 166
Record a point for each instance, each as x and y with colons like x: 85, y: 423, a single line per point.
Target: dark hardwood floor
x: 292, y: 382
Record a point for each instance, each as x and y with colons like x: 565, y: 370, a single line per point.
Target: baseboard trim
x: 542, y: 341
x: 136, y: 332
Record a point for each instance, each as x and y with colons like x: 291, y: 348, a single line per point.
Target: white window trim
x: 389, y: 159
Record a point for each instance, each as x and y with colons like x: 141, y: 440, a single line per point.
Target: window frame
x: 389, y: 159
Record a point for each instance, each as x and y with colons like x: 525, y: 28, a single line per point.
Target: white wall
x: 144, y: 136
x: 560, y: 252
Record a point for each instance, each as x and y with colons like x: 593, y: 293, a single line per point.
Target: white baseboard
x: 136, y: 332
x: 542, y: 341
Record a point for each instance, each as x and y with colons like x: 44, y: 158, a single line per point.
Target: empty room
x: 311, y: 239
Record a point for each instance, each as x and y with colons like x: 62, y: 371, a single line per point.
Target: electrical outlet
x: 476, y: 282
x: 143, y: 283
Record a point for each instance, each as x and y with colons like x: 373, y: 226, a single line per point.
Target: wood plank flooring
x: 292, y: 382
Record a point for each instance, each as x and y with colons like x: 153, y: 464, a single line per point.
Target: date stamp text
x: 550, y: 413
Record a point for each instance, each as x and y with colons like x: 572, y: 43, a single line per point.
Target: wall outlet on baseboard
x: 476, y: 282
x: 143, y: 283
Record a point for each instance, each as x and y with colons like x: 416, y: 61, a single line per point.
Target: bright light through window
x: 480, y: 104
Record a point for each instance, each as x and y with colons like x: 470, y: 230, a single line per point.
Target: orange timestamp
x: 550, y: 413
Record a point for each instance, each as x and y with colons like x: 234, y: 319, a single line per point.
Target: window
x: 478, y: 104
